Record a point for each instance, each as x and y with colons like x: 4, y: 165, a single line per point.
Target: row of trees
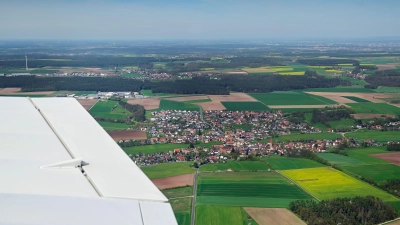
x: 384, y: 78
x: 393, y: 146
x: 324, y: 116
x: 137, y: 111
x: 357, y: 210
x: 303, y: 153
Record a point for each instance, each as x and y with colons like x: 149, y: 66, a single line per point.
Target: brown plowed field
x: 87, y: 103
x: 211, y: 106
x: 390, y: 157
x: 276, y: 216
x: 188, y: 98
x: 233, y: 97
x: 337, y: 96
x: 15, y: 91
x: 297, y: 106
x: 147, y: 103
x: 128, y: 134
x: 176, y: 181
x: 389, y: 66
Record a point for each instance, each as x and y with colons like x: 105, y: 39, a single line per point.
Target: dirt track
x: 390, y: 157
x: 128, y: 135
x: 176, y: 181
x: 276, y: 216
x: 147, y: 103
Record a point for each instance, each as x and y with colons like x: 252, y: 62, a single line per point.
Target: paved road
x: 194, y: 197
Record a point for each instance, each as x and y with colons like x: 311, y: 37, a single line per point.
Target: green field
x: 356, y: 99
x: 378, y: 108
x: 147, y: 92
x: 173, y: 105
x: 181, y: 202
x: 290, y: 98
x: 198, y: 101
x: 377, y: 172
x: 149, y: 149
x: 210, y: 215
x: 109, y: 109
x: 241, y: 126
x: 382, y: 89
x: 235, y: 166
x: 168, y: 169
x: 131, y: 75
x: 340, y: 160
x: 379, y: 60
x: 303, y: 137
x: 327, y: 183
x: 321, y: 126
x: 380, y: 136
x: 243, y: 106
x: 341, y: 122
x: 286, y: 163
x: 352, y: 89
x: 110, y: 126
x: 258, y: 189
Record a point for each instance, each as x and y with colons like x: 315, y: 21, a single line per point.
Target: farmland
x: 235, y: 166
x: 181, y: 201
x: 378, y: 108
x: 240, y: 106
x: 290, y: 98
x: 148, y: 149
x: 286, y: 163
x: 327, y: 183
x: 131, y: 75
x: 276, y: 216
x: 147, y: 92
x: 247, y: 189
x: 109, y: 109
x: 356, y: 99
x: 167, y: 170
x: 300, y: 137
x: 173, y: 105
x: 218, y: 215
x: 110, y: 126
x: 380, y: 136
x: 354, y: 89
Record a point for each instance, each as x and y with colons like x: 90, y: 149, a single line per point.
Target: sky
x: 197, y: 19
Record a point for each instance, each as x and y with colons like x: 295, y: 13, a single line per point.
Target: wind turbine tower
x: 26, y: 62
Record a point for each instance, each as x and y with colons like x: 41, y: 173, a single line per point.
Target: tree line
x: 324, y: 116
x: 384, y: 78
x: 393, y: 146
x: 328, y: 62
x: 197, y: 85
x: 137, y: 111
x: 358, y: 210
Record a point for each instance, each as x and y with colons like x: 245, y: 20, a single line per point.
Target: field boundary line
x: 297, y: 185
x: 93, y: 105
x: 387, y: 222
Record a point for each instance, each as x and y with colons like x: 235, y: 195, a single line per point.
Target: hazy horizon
x: 198, y: 19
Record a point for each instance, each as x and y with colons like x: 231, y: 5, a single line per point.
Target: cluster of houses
x: 80, y: 74
x: 148, y: 74
x: 106, y: 95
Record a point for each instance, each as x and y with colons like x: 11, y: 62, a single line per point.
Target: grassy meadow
x: 235, y: 166
x: 380, y: 136
x: 173, y: 105
x: 245, y: 106
x: 286, y: 163
x: 168, y: 169
x: 378, y: 108
x: 109, y: 109
x: 290, y: 98
x: 150, y: 149
x: 110, y: 126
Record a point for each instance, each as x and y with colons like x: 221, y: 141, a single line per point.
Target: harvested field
x: 172, y: 182
x: 128, y: 134
x: 211, y: 106
x: 389, y: 66
x: 297, y: 106
x: 277, y: 216
x: 16, y: 91
x: 369, y: 115
x: 87, y: 103
x: 390, y: 157
x: 189, y: 98
x: 233, y: 97
x: 9, y: 90
x: 337, y: 96
x: 148, y: 103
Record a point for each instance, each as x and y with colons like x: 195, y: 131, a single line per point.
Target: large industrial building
x: 58, y: 166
